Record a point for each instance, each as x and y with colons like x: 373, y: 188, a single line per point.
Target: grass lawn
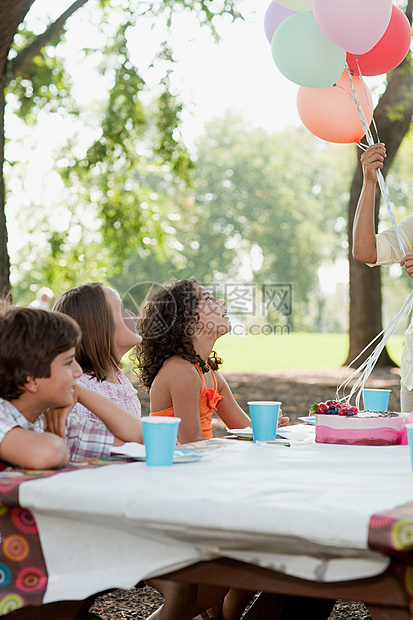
x: 305, y: 351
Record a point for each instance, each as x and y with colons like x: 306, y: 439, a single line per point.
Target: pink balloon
x: 331, y: 114
x: 388, y: 52
x: 274, y: 15
x: 354, y: 25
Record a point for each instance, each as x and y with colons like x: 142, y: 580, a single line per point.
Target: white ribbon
x: 366, y: 368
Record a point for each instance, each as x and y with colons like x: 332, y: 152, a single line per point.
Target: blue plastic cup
x: 376, y: 400
x: 264, y: 419
x: 159, y: 436
x: 409, y: 428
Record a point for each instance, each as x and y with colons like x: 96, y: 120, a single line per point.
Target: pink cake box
x: 367, y: 428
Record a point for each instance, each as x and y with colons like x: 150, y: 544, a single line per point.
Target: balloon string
x: 380, y: 178
x: 366, y: 368
x: 367, y: 98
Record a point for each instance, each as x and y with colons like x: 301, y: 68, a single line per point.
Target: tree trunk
x: 392, y: 116
x: 4, y: 256
x: 12, y: 13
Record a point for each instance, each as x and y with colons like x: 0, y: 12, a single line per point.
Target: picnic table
x: 312, y: 520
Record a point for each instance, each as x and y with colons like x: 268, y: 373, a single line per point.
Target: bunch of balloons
x: 326, y: 46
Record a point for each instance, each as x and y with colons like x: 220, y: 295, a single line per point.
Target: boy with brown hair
x: 38, y: 371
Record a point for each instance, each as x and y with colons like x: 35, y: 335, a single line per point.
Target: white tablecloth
x: 303, y: 510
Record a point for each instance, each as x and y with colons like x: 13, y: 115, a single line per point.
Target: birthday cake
x: 342, y: 424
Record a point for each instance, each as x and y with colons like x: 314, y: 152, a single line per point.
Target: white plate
x: 137, y: 451
x: 308, y: 419
x: 187, y: 456
x: 242, y: 433
x: 246, y: 433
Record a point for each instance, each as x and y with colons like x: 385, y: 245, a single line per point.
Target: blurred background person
x: 43, y: 298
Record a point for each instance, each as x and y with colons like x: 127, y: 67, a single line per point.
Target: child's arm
x: 56, y: 418
x: 33, y: 450
x: 122, y: 424
x: 229, y: 410
x: 180, y: 384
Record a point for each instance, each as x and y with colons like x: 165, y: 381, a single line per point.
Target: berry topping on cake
x: 333, y: 407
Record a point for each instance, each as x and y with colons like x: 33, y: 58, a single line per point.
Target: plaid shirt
x: 85, y: 438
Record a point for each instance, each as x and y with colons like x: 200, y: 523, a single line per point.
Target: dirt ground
x: 297, y: 390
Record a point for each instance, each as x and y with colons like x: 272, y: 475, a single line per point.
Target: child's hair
x: 30, y: 339
x: 167, y: 324
x: 88, y: 305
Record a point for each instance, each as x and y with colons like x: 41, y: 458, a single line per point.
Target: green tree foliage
x: 279, y: 196
x: 279, y: 191
x: 264, y: 207
x: 35, y: 80
x: 42, y: 84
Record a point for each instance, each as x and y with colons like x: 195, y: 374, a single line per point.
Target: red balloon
x: 388, y: 52
x: 331, y: 114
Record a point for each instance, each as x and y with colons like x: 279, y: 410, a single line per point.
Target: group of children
x: 42, y: 387
x: 63, y: 395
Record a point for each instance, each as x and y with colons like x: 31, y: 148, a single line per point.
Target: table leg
x: 62, y: 610
x: 282, y: 607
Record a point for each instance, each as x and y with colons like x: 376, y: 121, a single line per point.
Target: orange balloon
x: 331, y: 113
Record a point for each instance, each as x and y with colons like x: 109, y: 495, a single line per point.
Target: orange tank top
x: 208, y: 401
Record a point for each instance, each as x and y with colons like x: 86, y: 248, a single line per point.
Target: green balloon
x: 303, y: 53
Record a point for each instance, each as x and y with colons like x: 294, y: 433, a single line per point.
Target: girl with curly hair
x: 179, y: 326
x: 176, y: 361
